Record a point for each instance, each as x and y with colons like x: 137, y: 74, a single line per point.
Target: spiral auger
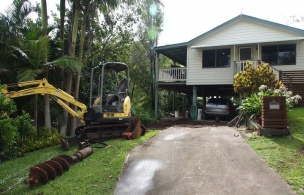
x: 53, y: 168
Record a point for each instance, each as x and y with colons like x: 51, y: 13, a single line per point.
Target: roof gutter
x: 249, y: 42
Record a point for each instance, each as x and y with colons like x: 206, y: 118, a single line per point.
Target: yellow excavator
x: 107, y: 115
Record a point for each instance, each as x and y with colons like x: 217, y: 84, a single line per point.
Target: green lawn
x: 97, y: 174
x: 285, y: 154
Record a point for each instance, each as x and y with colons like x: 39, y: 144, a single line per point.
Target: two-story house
x: 212, y: 59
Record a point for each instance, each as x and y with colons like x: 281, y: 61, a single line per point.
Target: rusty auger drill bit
x: 55, y: 167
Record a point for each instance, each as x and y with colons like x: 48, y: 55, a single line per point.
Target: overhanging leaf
x: 67, y: 62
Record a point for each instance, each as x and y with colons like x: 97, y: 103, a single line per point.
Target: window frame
x: 278, y: 56
x: 215, y: 60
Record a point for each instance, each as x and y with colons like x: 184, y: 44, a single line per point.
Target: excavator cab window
x: 112, y: 87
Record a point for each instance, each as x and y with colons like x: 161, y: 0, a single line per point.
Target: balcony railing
x: 240, y: 66
x: 172, y: 74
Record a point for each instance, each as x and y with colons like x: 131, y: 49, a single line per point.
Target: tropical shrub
x: 8, y: 131
x: 13, y: 130
x: 248, y: 81
x: 43, y: 138
x: 252, y: 105
x: 17, y: 133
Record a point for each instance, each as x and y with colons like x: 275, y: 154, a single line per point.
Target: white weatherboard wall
x: 241, y: 31
x: 196, y: 75
x: 245, y: 31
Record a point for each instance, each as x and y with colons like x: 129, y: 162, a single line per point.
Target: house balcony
x: 172, y: 75
x: 240, y: 66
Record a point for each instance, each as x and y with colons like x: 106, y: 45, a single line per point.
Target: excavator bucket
x: 135, y: 129
x: 66, y: 143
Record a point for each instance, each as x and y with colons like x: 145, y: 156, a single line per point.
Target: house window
x: 279, y: 54
x: 216, y: 58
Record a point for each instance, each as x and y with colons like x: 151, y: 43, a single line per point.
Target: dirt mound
x: 182, y: 122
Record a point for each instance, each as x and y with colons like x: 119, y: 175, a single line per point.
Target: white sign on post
x: 274, y: 105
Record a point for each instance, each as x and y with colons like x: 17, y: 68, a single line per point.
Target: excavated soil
x: 182, y: 122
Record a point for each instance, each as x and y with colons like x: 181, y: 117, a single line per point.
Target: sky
x: 187, y: 19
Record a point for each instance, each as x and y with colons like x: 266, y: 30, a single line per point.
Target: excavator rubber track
x: 104, y: 132
x: 94, y: 132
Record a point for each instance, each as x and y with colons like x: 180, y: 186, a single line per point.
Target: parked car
x: 219, y: 107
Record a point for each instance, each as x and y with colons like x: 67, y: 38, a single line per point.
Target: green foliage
x: 143, y: 110
x: 44, y: 138
x: 252, y: 105
x: 8, y: 128
x: 8, y: 138
x: 256, y: 83
x: 17, y: 133
x: 248, y: 81
x: 25, y: 125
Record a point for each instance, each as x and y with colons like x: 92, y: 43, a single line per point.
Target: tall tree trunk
x: 63, y: 128
x: 62, y: 16
x: 36, y: 113
x: 74, y: 32
x: 47, y: 113
x: 44, y: 17
x: 62, y: 124
x: 77, y: 81
x: 70, y: 74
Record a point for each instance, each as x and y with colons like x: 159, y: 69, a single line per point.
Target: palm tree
x: 12, y: 24
x: 34, y: 53
x: 86, y: 6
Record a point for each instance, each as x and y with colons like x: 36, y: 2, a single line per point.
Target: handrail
x: 172, y: 74
x: 240, y: 66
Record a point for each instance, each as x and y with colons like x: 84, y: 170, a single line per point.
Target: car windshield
x: 217, y: 101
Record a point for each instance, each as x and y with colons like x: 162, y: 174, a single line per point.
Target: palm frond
x: 29, y: 74
x: 67, y: 62
x: 20, y: 51
x: 38, y: 51
x: 18, y: 11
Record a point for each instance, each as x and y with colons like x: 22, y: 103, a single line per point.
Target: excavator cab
x: 105, y: 106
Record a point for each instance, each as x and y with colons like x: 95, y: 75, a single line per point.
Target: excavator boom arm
x: 45, y: 88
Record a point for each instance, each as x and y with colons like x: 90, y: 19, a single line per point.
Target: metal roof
x: 253, y: 19
x: 250, y: 42
x: 178, y: 52
x: 117, y: 66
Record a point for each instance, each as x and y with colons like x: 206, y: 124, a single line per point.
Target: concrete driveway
x: 206, y: 160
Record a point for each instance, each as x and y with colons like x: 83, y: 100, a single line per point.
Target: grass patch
x: 97, y: 174
x: 285, y: 154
